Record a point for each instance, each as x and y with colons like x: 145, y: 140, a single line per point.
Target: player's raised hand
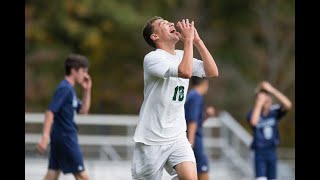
x: 196, y: 36
x: 186, y: 30
x: 266, y: 86
x: 210, y: 111
x: 87, y: 82
x: 42, y: 145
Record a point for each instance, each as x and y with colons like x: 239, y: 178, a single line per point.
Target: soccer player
x: 160, y: 136
x: 195, y: 116
x: 59, y: 124
x: 264, y: 118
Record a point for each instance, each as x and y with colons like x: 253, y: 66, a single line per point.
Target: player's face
x: 80, y: 74
x: 165, y: 30
x: 268, y: 102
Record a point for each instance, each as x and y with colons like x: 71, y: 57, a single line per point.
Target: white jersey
x: 162, y: 119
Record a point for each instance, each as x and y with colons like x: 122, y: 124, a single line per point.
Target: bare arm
x: 286, y: 103
x: 255, y: 116
x: 86, y: 99
x: 48, y: 120
x: 185, y: 67
x: 191, y: 132
x: 209, y: 64
x: 187, y: 35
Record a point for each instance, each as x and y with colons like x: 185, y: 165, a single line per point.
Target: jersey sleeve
x: 192, y: 110
x: 156, y: 65
x: 198, y: 68
x: 279, y: 111
x: 59, y: 98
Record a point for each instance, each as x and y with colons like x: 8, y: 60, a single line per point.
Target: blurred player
x: 160, y: 136
x: 264, y: 118
x: 195, y: 116
x: 65, y: 153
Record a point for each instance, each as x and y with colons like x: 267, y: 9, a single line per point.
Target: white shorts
x: 149, y: 160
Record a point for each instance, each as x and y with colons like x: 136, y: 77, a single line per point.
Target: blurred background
x: 250, y: 40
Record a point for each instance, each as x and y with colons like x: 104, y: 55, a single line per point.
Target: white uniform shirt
x: 162, y: 118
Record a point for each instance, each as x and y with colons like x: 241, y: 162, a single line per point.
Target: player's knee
x: 82, y: 176
x: 187, y: 171
x: 52, y: 175
x: 86, y: 177
x: 48, y: 177
x: 203, y: 175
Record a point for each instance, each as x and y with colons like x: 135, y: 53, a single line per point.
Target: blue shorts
x: 201, y: 158
x: 65, y: 153
x: 266, y: 164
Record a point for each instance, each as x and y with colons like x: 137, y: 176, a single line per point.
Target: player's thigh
x: 53, y: 159
x: 69, y: 155
x: 186, y: 170
x: 272, y: 167
x: 260, y: 165
x: 55, y: 152
x: 52, y: 174
x: 203, y: 176
x: 202, y: 161
x: 182, y: 160
x: 81, y: 175
x: 148, y: 161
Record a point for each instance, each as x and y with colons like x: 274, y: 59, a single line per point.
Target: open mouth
x: 173, y: 31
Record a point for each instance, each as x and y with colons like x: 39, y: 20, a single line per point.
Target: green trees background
x: 251, y: 40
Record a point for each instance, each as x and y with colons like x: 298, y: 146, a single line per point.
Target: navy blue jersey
x: 266, y: 133
x: 194, y: 111
x: 64, y: 105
